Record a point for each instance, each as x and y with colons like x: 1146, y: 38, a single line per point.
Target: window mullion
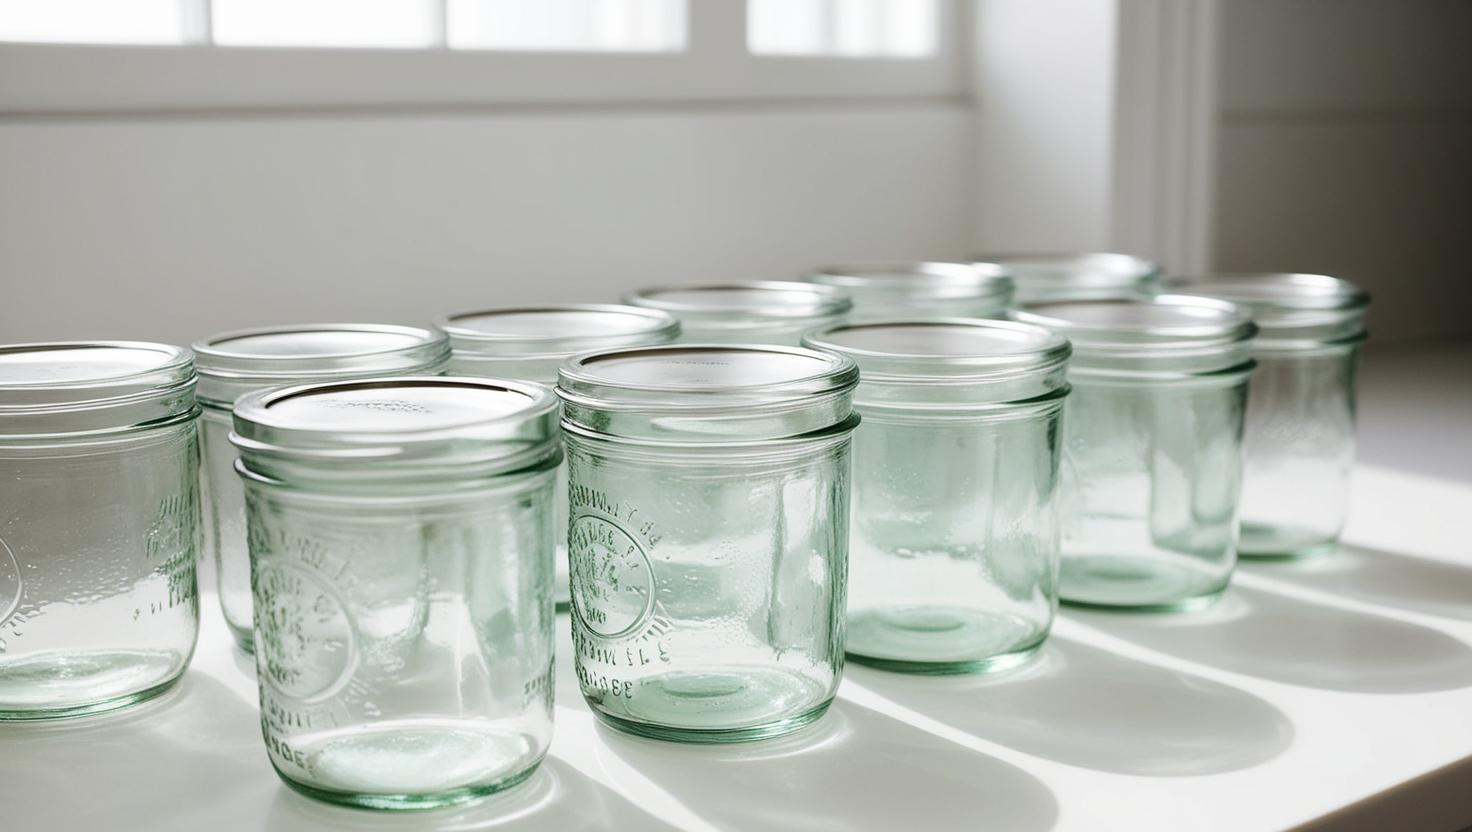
x: 196, y: 15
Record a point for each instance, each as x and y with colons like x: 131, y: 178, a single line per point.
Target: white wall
x: 1346, y: 148
x: 172, y: 227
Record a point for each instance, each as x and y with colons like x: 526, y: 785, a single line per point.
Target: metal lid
x: 234, y: 363
x: 706, y: 392
x: 1166, y: 332
x: 530, y: 342
x: 1289, y: 309
x: 89, y: 387
x: 920, y: 282
x: 1055, y: 276
x: 400, y: 427
x: 745, y: 305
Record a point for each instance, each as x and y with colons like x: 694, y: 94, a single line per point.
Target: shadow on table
x: 856, y: 768
x: 1083, y: 706
x: 556, y: 797
x: 1401, y: 581
x: 176, y: 759
x: 1284, y: 639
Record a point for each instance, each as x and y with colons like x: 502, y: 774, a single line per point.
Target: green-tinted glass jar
x: 749, y: 312
x: 903, y: 290
x: 1152, y: 454
x: 99, y: 525
x: 1045, y: 277
x: 1301, y: 411
x: 400, y: 533
x: 530, y: 343
x: 709, y: 490
x: 232, y: 364
x: 953, y: 537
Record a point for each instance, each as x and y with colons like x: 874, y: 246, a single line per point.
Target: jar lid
x: 234, y: 363
x: 72, y: 387
x: 1169, y: 332
x: 706, y: 393
x: 752, y: 300
x: 396, y: 427
x: 1051, y: 275
x: 920, y: 281
x: 558, y: 331
x: 1287, y: 308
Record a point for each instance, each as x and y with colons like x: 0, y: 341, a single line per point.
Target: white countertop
x: 1336, y: 693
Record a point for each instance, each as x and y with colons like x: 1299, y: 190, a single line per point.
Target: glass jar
x: 709, y: 536
x: 530, y: 343
x: 232, y: 364
x: 99, y: 525
x: 400, y: 533
x: 1152, y: 448
x: 1301, y: 411
x: 953, y: 537
x: 900, y: 290
x: 1045, y: 277
x: 749, y: 312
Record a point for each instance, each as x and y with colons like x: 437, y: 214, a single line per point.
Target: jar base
x: 1267, y: 541
x: 245, y: 640
x: 34, y: 687
x: 401, y: 766
x: 941, y: 640
x: 1136, y: 583
x: 714, y: 736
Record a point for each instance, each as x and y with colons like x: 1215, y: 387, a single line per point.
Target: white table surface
x: 1336, y: 694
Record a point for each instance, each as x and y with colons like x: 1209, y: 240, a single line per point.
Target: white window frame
x: 715, y: 67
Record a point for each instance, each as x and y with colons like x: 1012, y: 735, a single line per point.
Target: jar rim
x: 785, y: 299
x: 993, y: 349
x: 1074, y: 269
x: 828, y: 371
x: 919, y: 279
x: 132, y: 384
x: 1267, y: 293
x: 169, y: 358
x: 643, y: 326
x: 1145, y: 323
x: 216, y: 359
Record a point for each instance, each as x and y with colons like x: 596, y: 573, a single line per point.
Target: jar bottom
x: 245, y: 639
x: 718, y: 705
x: 1276, y: 541
x: 1139, y: 583
x: 421, y: 764
x: 68, y: 683
x: 941, y: 640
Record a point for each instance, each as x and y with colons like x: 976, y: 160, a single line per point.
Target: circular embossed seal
x: 612, y: 577
x: 304, y: 636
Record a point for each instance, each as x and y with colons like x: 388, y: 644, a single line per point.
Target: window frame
x: 714, y: 67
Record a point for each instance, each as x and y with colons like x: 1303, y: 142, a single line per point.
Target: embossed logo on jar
x: 612, y: 577
x: 304, y: 635
x: 9, y: 582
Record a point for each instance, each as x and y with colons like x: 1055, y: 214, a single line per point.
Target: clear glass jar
x: 953, y: 537
x: 232, y: 364
x: 709, y: 536
x: 1152, y: 451
x: 748, y: 312
x: 400, y: 535
x: 530, y: 343
x: 1301, y: 411
x: 99, y: 525
x: 902, y: 290
x: 1045, y: 277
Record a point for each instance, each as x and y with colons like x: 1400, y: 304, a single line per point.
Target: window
x: 853, y: 28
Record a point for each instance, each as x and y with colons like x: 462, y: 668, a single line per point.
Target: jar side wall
x: 224, y: 512
x: 98, y: 596
x: 708, y: 600
x: 403, y: 650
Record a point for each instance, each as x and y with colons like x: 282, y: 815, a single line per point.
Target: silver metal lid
x: 1166, y: 332
x: 1289, y: 309
x: 1043, y: 276
x: 400, y: 427
x: 234, y: 363
x: 531, y: 342
x: 90, y: 387
x: 919, y: 282
x: 746, y: 305
x: 706, y: 392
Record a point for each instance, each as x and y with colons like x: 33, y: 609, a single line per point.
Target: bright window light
x: 349, y: 23
x: 848, y: 28
x: 92, y: 21
x: 568, y: 25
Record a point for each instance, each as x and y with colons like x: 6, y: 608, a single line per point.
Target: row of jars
x: 749, y: 481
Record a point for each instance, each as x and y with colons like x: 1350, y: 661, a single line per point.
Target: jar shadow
x: 1390, y: 579
x: 1283, y: 639
x: 1082, y: 706
x: 855, y: 767
x: 556, y: 796
x: 182, y: 760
